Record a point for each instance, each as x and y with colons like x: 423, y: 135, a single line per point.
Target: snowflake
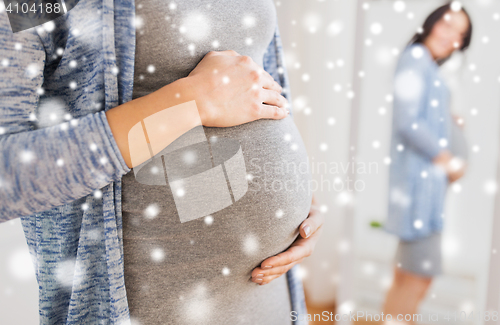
x: 417, y: 52
x: 209, y: 220
x: 376, y: 28
x: 408, y: 86
x: 152, y: 211
x: 248, y: 21
x: 189, y: 157
x: 49, y: 26
x: 426, y: 265
x: 27, y: 156
x: 180, y: 192
x: 490, y: 187
x: 20, y: 265
x: 343, y: 246
x: 344, y: 198
x: 138, y: 22
x: 335, y: 28
x: 456, y: 6
x: 32, y: 70
x: 443, y: 142
x: 65, y: 271
x: 250, y: 244
x: 456, y: 187
x: 196, y: 26
x: 157, y: 254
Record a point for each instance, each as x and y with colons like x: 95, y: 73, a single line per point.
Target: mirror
x: 472, y: 78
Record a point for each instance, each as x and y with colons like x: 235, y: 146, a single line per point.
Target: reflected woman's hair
x: 432, y: 19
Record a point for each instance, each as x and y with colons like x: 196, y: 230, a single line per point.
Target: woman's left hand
x: 303, y: 246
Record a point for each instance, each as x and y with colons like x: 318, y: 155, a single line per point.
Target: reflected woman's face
x: 447, y: 34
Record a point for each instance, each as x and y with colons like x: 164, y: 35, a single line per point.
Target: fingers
x: 259, y: 272
x: 311, y: 224
x: 257, y: 74
x: 268, y: 82
x: 226, y: 52
x: 261, y: 277
x: 296, y: 252
x: 271, y: 112
x: 260, y: 75
x: 273, y: 98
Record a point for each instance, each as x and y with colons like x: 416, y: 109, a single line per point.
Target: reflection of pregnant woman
x: 66, y: 109
x: 427, y: 154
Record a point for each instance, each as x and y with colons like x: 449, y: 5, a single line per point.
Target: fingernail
x: 258, y: 280
x: 267, y: 267
x: 260, y: 275
x: 307, y: 230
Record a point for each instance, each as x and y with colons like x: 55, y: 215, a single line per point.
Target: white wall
x: 316, y: 33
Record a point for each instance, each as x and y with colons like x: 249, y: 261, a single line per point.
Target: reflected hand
x: 275, y: 266
x: 453, y: 166
x: 458, y: 120
x: 454, y: 175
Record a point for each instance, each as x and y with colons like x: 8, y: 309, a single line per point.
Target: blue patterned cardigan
x: 64, y: 179
x: 421, y: 129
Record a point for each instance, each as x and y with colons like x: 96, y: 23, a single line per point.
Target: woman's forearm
x: 169, y: 112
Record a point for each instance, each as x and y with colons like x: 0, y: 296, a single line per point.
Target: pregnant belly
x: 225, y: 247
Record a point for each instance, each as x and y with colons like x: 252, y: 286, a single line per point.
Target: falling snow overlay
x: 83, y: 151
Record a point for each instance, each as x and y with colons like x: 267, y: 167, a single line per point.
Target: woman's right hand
x: 228, y: 89
x: 231, y: 89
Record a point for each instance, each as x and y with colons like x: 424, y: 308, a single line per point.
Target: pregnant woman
x: 203, y: 277
x: 425, y: 148
x: 70, y: 92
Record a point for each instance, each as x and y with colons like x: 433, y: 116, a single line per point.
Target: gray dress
x: 197, y: 272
